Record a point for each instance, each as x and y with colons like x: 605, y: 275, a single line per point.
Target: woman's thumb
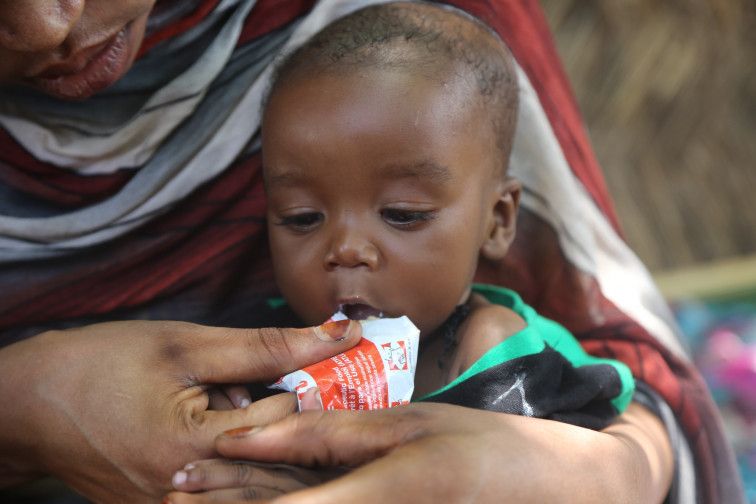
x: 222, y: 355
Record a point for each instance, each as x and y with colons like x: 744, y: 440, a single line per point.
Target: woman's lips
x: 78, y: 80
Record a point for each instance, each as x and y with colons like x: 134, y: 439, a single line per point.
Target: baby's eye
x: 406, y: 218
x: 301, y: 222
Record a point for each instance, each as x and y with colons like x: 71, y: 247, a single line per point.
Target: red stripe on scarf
x: 266, y: 17
x: 21, y: 170
x: 177, y: 28
x: 200, y: 244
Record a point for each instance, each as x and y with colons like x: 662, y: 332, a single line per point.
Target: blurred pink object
x: 730, y: 364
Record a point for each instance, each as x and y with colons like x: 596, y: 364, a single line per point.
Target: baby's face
x: 380, y: 188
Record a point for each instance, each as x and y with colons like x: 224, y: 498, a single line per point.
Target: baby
x: 386, y: 140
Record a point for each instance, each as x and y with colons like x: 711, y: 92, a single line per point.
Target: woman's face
x: 70, y: 49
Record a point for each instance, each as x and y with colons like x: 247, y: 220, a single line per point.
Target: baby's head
x: 386, y: 140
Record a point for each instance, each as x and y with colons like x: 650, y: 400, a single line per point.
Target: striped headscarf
x: 145, y: 201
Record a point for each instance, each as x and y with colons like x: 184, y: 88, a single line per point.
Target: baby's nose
x: 351, y: 249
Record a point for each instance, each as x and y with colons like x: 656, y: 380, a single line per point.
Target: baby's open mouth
x: 359, y: 311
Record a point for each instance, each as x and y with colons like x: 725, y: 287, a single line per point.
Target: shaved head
x: 422, y: 39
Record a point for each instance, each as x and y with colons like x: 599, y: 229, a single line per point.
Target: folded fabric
x: 542, y: 371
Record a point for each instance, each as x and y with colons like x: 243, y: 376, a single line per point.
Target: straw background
x: 668, y: 93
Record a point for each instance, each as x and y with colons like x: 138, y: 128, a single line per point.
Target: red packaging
x: 377, y: 373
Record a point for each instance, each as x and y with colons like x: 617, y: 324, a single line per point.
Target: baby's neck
x: 446, y: 332
x: 436, y: 352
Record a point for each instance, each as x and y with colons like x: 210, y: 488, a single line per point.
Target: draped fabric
x: 542, y: 372
x: 146, y: 202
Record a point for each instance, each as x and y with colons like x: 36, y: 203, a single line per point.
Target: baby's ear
x: 503, y: 221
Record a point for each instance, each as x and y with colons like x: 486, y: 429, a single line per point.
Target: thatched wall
x: 668, y: 92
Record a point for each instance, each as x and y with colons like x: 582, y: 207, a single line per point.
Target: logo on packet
x: 395, y: 356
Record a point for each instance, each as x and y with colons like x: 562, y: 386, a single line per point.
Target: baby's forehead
x: 422, y: 41
x: 442, y: 97
x: 444, y: 103
x: 450, y: 80
x: 415, y: 37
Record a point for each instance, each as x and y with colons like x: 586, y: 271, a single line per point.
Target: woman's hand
x: 227, y: 480
x: 114, y: 409
x: 440, y: 453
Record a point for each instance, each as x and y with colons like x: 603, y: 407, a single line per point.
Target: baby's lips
x: 360, y: 311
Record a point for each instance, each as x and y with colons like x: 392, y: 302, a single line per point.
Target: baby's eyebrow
x: 427, y: 169
x: 286, y: 179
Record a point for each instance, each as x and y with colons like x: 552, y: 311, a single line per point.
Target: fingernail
x: 334, y: 331
x: 188, y: 466
x: 244, y: 403
x: 318, y: 399
x: 179, y: 479
x: 241, y: 432
x: 311, y: 400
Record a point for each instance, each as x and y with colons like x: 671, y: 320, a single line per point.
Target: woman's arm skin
x: 440, y: 453
x: 114, y: 409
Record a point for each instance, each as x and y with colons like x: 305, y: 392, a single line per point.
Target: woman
x: 131, y: 190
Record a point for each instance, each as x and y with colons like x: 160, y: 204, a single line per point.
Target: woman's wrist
x: 20, y: 372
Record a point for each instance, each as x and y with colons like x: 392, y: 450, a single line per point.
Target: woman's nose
x: 37, y: 25
x: 351, y: 249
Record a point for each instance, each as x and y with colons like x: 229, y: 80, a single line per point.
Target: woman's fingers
x: 261, y: 412
x: 227, y: 474
x: 332, y: 438
x: 216, y: 474
x: 238, y: 480
x: 215, y: 355
x: 311, y: 400
x: 227, y: 495
x: 218, y: 400
x: 237, y: 394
